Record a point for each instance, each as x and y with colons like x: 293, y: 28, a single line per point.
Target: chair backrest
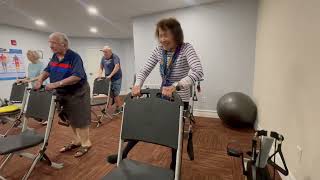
x: 152, y: 118
x: 101, y: 86
x: 17, y: 92
x: 39, y: 104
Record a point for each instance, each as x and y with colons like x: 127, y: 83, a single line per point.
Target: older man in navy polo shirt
x: 110, y: 63
x: 68, y: 77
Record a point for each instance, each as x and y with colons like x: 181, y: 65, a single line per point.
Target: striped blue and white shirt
x: 186, y: 70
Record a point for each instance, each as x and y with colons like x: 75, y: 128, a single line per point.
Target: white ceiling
x: 71, y: 17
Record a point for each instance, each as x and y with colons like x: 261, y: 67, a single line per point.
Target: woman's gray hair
x: 34, y: 55
x: 63, y: 38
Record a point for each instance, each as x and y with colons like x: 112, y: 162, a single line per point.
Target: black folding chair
x: 40, y: 105
x: 16, y: 99
x: 17, y: 92
x: 101, y: 86
x: 151, y: 119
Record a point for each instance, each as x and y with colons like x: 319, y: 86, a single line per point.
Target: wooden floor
x: 210, y: 141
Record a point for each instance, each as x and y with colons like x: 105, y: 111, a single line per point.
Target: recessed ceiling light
x: 92, y: 10
x: 93, y: 30
x: 40, y: 22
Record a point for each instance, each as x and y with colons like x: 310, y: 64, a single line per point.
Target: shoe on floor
x: 112, y: 159
x: 118, y: 111
x: 82, y: 151
x: 44, y: 123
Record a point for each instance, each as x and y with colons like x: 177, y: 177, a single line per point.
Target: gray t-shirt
x: 108, y: 66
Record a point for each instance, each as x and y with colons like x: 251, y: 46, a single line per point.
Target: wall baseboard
x: 206, y: 113
x: 289, y: 177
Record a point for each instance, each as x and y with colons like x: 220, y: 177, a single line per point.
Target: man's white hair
x: 63, y: 38
x: 106, y: 48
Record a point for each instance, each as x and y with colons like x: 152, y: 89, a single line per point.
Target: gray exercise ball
x: 237, y: 110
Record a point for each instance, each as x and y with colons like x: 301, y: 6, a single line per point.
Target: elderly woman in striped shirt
x: 180, y: 67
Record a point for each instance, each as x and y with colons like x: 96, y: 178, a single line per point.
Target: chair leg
x: 190, y: 149
x: 105, y: 112
x: 52, y: 164
x: 6, y: 160
x: 192, y: 119
x: 13, y: 125
x: 189, y: 133
x: 99, y: 122
x: 35, y: 161
x: 45, y: 158
x: 94, y: 113
x: 109, y: 116
x: 99, y: 118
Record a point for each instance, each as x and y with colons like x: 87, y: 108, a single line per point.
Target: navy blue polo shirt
x: 70, y: 65
x: 109, y: 64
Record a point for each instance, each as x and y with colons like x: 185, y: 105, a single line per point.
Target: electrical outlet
x: 307, y: 178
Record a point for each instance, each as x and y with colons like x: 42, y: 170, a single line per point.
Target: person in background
x: 110, y: 64
x: 35, y: 67
x: 180, y: 67
x: 68, y: 78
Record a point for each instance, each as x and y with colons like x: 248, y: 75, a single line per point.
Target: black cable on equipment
x: 274, y: 168
x: 260, y: 147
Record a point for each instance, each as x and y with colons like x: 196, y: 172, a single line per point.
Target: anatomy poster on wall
x: 12, y: 64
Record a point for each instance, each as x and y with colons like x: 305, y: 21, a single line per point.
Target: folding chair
x: 12, y: 111
x: 40, y: 104
x: 101, y: 86
x: 155, y: 120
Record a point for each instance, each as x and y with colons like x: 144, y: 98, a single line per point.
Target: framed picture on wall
x: 12, y: 64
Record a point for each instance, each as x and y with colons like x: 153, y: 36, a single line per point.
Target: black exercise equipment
x: 101, y: 86
x: 40, y: 105
x: 256, y: 168
x: 189, y: 118
x: 152, y: 119
x: 237, y: 110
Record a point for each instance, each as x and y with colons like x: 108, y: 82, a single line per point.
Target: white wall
x: 28, y: 39
x: 25, y: 40
x: 286, y: 85
x: 123, y: 48
x: 128, y: 66
x: 223, y: 34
